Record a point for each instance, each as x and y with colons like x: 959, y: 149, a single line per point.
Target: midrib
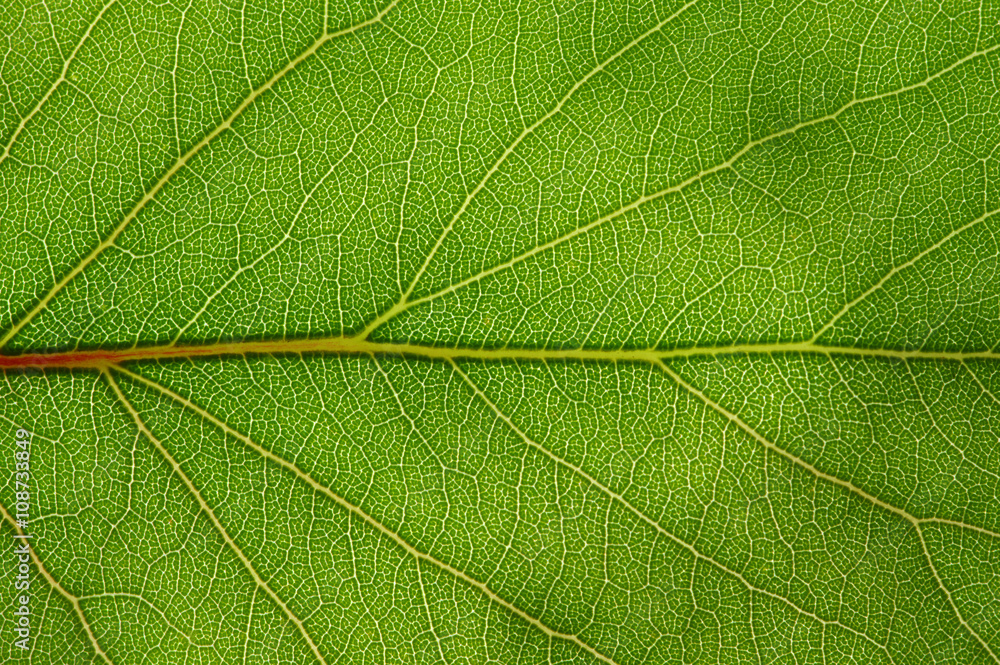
x: 101, y: 358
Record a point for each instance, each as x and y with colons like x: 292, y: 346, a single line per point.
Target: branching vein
x: 196, y: 493
x: 178, y: 165
x: 73, y: 600
x: 371, y: 521
x: 615, y: 496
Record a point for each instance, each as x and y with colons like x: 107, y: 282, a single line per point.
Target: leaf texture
x: 546, y: 332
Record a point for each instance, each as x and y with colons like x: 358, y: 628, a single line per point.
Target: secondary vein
x: 371, y: 521
x: 189, y: 484
x: 177, y: 166
x: 614, y: 496
x: 73, y: 600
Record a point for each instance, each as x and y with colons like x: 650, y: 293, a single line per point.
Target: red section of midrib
x: 96, y: 358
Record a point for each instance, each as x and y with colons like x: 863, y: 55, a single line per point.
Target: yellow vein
x: 356, y: 510
x: 211, y: 516
x: 62, y: 77
x: 902, y: 266
x: 916, y: 522
x: 401, y: 304
x: 961, y: 525
x: 645, y: 518
x: 73, y: 600
x: 405, y: 304
x: 951, y: 601
x: 98, y: 358
x: 798, y: 461
x: 180, y: 164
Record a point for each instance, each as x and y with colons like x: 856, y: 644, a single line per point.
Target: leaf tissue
x: 434, y: 331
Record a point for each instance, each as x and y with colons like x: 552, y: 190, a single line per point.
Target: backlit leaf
x: 413, y: 332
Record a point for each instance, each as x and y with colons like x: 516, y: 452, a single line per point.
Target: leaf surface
x: 504, y: 332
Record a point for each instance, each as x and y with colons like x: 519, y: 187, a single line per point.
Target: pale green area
x: 605, y: 176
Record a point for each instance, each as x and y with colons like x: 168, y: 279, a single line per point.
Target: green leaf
x: 502, y: 332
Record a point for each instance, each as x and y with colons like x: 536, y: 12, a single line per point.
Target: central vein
x: 100, y: 358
